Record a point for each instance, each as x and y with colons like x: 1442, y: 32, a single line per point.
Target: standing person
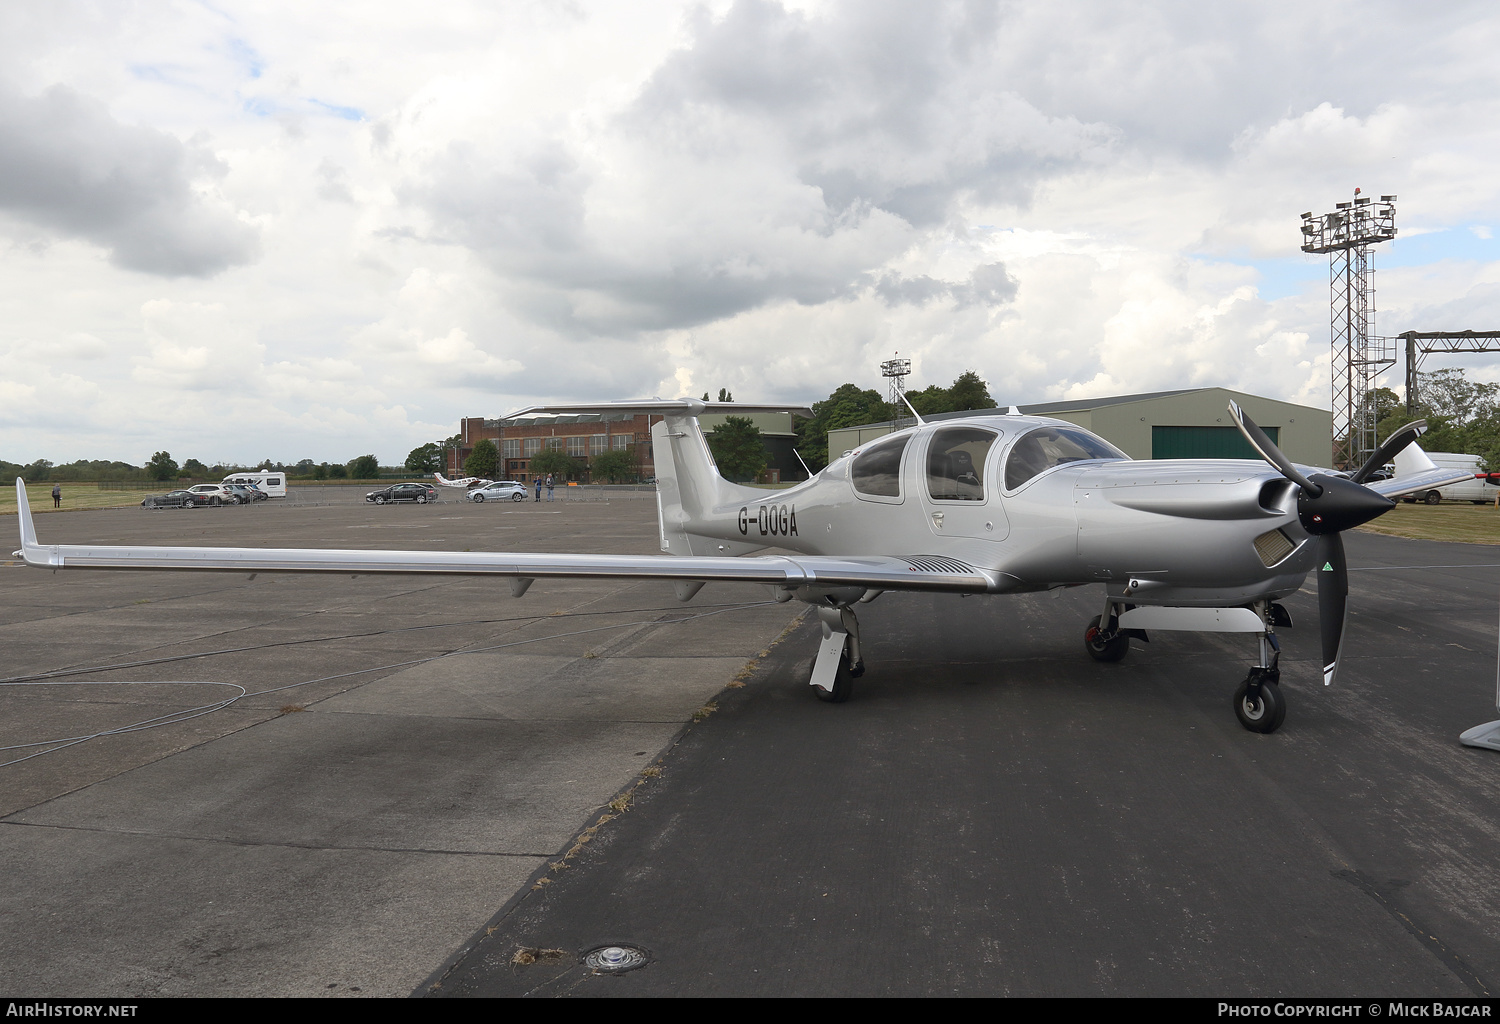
x: 538, y: 488
x: 549, y: 486
x: 57, y: 495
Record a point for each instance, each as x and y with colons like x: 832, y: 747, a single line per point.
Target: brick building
x: 584, y: 435
x: 580, y: 437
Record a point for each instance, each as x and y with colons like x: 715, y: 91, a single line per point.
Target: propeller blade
x: 1333, y: 600
x: 1268, y: 451
x: 1393, y: 444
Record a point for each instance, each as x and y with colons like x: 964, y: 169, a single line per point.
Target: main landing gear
x: 1258, y: 702
x: 838, y: 662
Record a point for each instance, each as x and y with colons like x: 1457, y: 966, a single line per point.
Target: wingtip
x: 23, y: 513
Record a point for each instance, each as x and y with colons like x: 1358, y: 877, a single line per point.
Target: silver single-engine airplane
x: 988, y: 504
x: 466, y: 482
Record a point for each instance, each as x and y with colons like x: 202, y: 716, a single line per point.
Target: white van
x: 269, y: 481
x: 1476, y: 490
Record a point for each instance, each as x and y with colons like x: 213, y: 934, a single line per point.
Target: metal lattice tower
x: 1358, y: 357
x: 895, y: 371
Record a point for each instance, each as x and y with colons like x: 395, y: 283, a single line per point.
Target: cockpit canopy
x: 1041, y: 449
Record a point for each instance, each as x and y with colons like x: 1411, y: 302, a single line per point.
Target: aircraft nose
x: 1342, y: 505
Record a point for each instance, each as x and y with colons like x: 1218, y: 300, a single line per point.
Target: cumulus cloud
x: 66, y: 165
x: 775, y: 157
x: 486, y: 206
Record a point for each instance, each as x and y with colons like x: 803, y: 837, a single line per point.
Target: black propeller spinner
x: 1326, y: 506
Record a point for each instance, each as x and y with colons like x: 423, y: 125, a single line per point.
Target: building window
x: 577, y: 446
x: 622, y: 441
x: 555, y: 444
x: 533, y: 445
x: 512, y: 447
x: 597, y: 444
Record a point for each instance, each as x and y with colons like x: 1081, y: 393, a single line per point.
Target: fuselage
x: 1041, y: 503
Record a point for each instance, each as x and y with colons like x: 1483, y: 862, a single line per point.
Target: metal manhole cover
x: 615, y: 959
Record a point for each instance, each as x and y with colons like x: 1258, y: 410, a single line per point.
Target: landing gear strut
x: 838, y: 663
x: 1258, y: 703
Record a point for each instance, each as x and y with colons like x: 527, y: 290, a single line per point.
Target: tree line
x: 1462, y: 415
x: 162, y: 467
x: 736, y: 444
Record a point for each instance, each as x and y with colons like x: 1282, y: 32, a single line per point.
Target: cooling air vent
x: 937, y: 563
x: 1272, y: 547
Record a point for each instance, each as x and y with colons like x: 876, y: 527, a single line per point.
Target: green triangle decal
x: 1328, y: 567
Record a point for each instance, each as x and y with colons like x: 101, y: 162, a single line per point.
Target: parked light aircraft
x: 466, y: 482
x: 984, y: 504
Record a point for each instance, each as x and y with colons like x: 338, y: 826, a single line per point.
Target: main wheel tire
x: 518, y: 497
x: 421, y: 499
x: 1264, y: 715
x: 479, y: 498
x: 843, y: 684
x: 380, y: 499
x: 1433, y: 498
x: 1104, y: 650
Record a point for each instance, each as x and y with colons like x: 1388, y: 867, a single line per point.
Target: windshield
x: 1046, y: 447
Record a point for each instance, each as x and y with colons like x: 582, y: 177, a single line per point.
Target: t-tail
x: 688, y: 483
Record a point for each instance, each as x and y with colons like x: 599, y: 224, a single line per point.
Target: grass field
x: 1455, y: 521
x: 75, y: 496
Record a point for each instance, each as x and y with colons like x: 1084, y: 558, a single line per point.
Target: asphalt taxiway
x: 401, y: 754
x: 992, y: 814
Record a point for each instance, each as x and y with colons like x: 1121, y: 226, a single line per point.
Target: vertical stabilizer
x: 688, y: 486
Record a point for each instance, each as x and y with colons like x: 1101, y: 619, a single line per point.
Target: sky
x: 238, y: 231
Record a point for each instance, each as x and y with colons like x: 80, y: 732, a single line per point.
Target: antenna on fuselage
x: 810, y: 473
x: 920, y: 421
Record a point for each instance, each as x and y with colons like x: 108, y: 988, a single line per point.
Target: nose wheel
x: 1258, y: 703
x: 1104, y: 642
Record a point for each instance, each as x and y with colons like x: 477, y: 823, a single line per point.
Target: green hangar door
x: 1206, y: 443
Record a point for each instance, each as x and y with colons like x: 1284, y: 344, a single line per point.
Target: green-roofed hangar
x: 1189, y: 424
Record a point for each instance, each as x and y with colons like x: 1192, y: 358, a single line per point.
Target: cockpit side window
x: 955, y: 463
x: 1046, y: 447
x: 876, y: 471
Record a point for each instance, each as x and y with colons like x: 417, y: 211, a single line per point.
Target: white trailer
x: 270, y: 481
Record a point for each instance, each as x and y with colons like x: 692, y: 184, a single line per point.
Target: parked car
x: 214, y: 494
x: 175, y: 499
x: 420, y: 493
x: 500, y: 490
x: 243, y: 495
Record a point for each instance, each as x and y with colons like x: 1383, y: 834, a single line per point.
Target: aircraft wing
x: 880, y: 572
x: 1424, y: 481
x: 1416, y: 472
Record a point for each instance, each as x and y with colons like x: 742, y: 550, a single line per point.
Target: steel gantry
x: 1421, y: 343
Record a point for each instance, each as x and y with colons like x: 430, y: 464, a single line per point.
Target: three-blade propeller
x: 1327, y: 506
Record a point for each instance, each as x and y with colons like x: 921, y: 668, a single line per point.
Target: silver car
x: 500, y: 490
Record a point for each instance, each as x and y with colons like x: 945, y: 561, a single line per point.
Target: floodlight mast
x: 1358, y: 357
x: 896, y: 371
